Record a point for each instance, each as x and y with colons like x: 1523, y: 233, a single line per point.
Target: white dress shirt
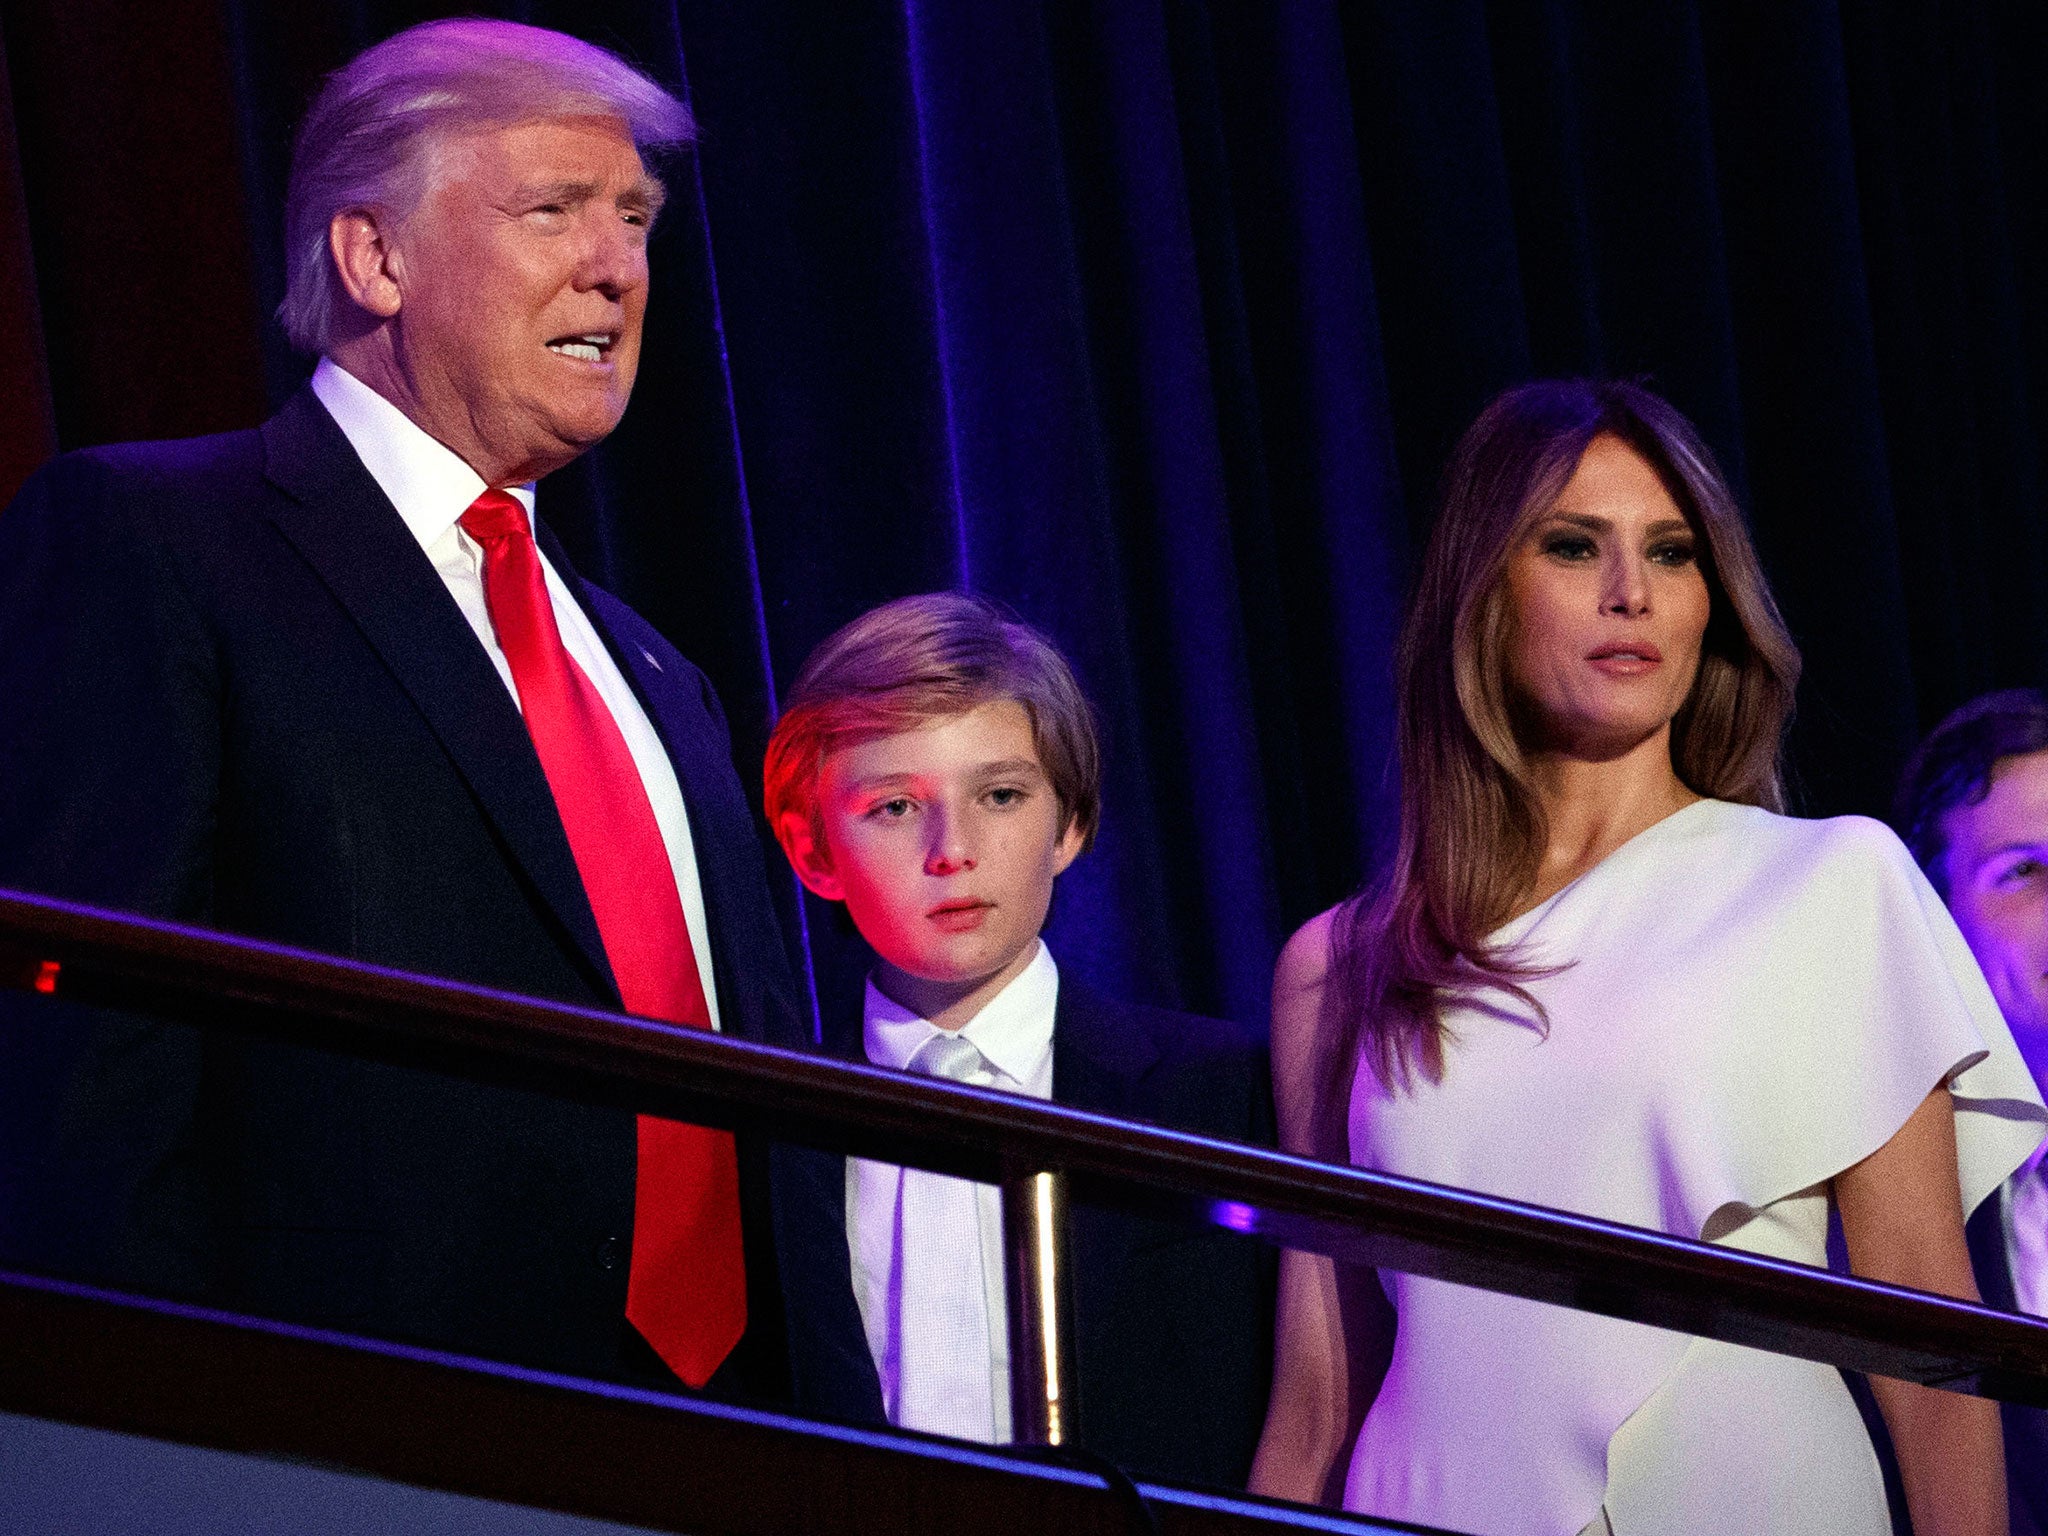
x: 2024, y: 1205
x: 927, y: 1249
x: 432, y: 487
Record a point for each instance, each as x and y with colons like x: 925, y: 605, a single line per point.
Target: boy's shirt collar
x: 1013, y: 1029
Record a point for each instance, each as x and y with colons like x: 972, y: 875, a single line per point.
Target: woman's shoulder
x: 1791, y: 882
x: 1304, y: 963
x: 1847, y: 847
x: 1301, y: 980
x: 1301, y: 1018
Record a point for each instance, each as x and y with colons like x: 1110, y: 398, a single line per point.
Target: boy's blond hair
x: 907, y: 664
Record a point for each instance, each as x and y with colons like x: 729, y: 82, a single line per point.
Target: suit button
x: 610, y: 1253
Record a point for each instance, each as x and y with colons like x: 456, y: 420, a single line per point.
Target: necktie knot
x: 952, y: 1058
x: 494, y: 515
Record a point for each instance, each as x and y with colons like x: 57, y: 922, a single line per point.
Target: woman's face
x: 1609, y: 608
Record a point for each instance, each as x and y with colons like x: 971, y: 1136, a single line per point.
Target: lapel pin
x: 650, y: 658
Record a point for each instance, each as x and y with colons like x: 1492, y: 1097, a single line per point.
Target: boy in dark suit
x: 936, y: 770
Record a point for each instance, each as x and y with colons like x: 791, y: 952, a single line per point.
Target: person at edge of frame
x: 1973, y: 808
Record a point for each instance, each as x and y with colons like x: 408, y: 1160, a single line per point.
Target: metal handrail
x: 75, y: 1354
x: 216, y: 980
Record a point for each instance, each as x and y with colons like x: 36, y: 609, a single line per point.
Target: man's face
x: 944, y: 842
x: 523, y: 283
x: 1997, y: 866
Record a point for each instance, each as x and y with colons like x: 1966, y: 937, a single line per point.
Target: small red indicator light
x: 46, y: 978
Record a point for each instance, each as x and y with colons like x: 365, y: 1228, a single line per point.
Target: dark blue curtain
x: 1156, y: 321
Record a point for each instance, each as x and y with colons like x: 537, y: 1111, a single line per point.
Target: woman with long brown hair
x: 1606, y: 974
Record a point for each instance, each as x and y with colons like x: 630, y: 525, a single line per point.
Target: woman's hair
x: 367, y: 139
x: 1472, y: 829
x: 919, y: 660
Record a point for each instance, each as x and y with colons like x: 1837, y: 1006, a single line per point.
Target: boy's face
x: 943, y: 842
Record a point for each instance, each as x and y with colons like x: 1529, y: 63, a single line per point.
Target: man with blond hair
x: 332, y: 682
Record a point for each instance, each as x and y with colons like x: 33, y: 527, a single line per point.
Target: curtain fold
x: 30, y: 433
x: 1155, y: 320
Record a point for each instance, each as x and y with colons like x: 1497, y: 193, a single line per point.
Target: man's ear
x: 808, y: 855
x: 1068, y: 848
x: 359, y: 240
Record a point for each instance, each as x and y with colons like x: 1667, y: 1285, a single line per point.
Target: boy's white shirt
x: 927, y: 1250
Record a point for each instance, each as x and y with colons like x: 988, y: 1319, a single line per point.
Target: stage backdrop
x: 1155, y: 321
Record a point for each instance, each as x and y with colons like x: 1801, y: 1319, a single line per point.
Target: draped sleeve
x: 1857, y: 999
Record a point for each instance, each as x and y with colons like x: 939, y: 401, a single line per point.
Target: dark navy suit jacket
x: 2026, y: 1429
x: 233, y: 691
x: 1174, y: 1323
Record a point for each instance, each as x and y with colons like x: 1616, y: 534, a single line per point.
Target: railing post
x: 1040, y: 1292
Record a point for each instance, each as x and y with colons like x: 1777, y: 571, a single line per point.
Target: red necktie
x: 686, y: 1292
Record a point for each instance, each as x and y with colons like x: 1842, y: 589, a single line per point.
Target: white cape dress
x: 1752, y: 1004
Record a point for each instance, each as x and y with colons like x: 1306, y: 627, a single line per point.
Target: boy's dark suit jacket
x: 1174, y: 1323
x: 233, y: 691
x: 2026, y: 1429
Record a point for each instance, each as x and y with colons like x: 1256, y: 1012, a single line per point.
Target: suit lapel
x: 1100, y: 1053
x: 348, y: 531
x: 1100, y: 1056
x: 2026, y: 1429
x: 696, y: 752
x: 678, y: 719
x: 1986, y: 1234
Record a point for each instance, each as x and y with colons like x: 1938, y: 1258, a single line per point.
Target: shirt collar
x: 427, y: 481
x: 1013, y: 1029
